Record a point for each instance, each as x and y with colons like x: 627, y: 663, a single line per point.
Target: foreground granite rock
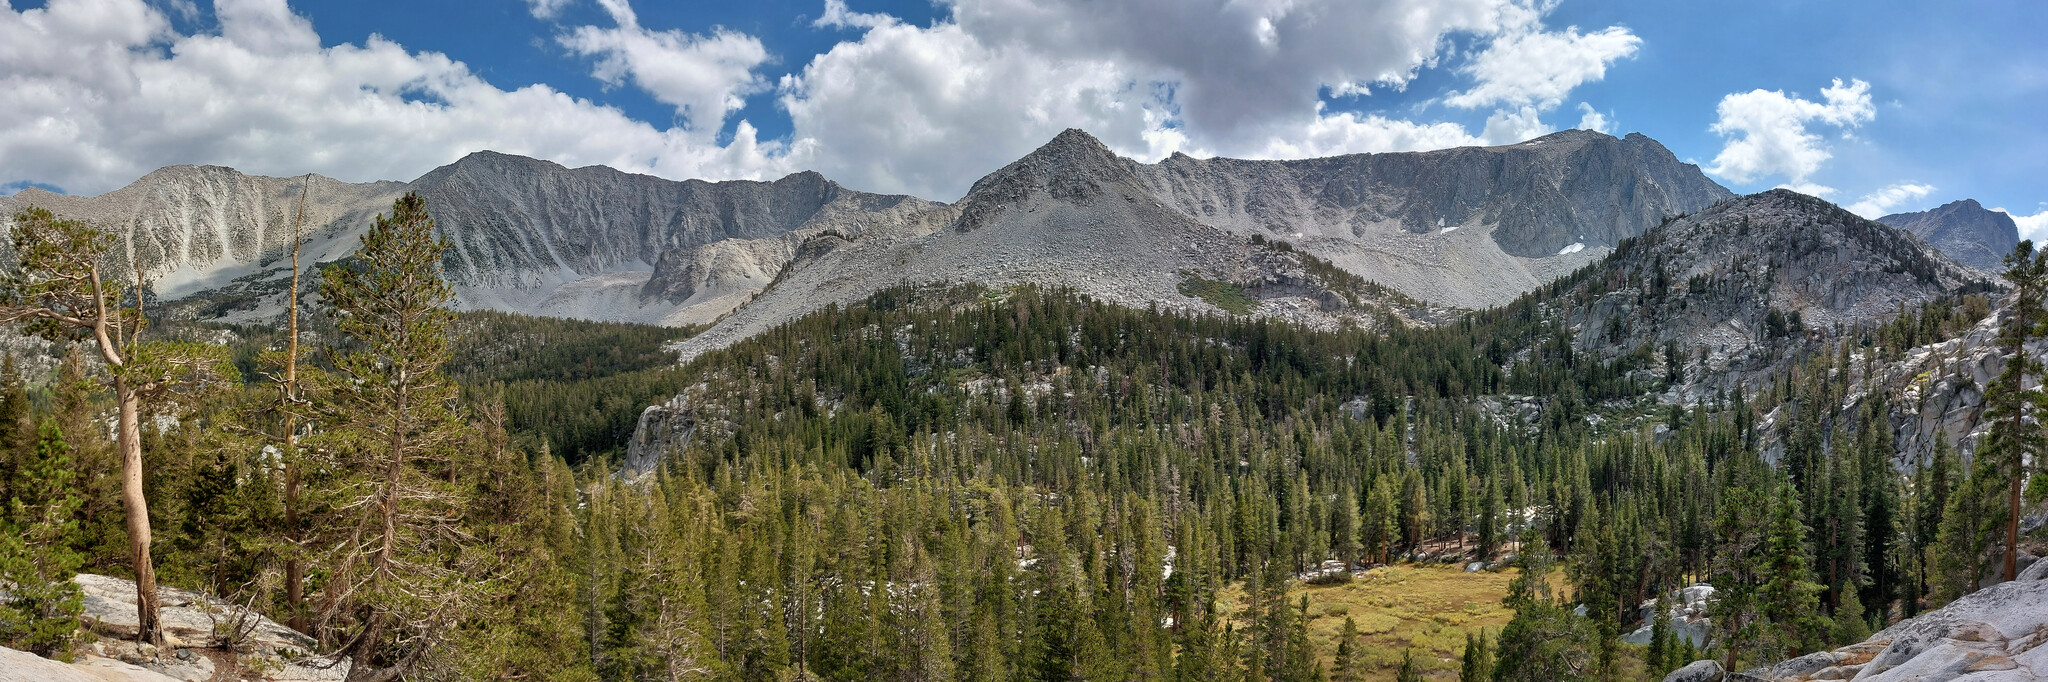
x: 22, y: 666
x: 198, y: 630
x: 1993, y: 635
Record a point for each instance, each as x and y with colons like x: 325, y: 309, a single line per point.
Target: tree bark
x: 2012, y: 527
x: 129, y: 439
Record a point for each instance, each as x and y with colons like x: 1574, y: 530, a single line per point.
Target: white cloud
x: 927, y: 110
x: 95, y: 93
x: 2033, y: 227
x: 704, y: 77
x: 546, y: 9
x: 1346, y: 132
x: 1882, y: 202
x: 837, y: 15
x: 1767, y: 135
x: 1241, y: 67
x: 1509, y: 127
x: 1591, y: 119
x: 1530, y: 67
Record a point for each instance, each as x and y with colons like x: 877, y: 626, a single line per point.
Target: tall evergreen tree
x: 2009, y: 401
x: 37, y: 559
x: 60, y: 284
x: 399, y: 575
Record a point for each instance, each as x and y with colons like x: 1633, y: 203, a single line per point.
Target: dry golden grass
x: 1428, y: 608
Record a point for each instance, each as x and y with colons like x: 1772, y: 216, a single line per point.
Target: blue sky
x: 1880, y: 106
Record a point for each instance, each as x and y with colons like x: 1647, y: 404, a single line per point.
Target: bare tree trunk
x: 2012, y: 527
x: 294, y: 566
x: 129, y: 439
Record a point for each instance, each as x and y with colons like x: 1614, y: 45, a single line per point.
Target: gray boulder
x: 1698, y: 671
x: 1993, y: 635
x: 22, y: 666
x: 193, y: 622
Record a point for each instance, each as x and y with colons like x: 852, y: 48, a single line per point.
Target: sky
x: 1881, y: 106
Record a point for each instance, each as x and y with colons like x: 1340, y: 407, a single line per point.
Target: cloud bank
x: 1767, y: 134
x: 1884, y: 201
x: 94, y: 93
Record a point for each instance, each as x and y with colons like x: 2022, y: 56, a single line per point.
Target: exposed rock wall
x: 1965, y: 230
x: 1468, y: 227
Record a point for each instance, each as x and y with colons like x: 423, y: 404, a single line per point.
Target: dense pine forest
x: 964, y: 483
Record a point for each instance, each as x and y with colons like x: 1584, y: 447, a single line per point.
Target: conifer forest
x: 972, y: 482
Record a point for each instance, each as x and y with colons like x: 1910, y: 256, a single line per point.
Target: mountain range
x: 1460, y: 228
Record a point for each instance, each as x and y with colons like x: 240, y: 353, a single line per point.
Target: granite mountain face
x: 1736, y: 289
x: 1965, y: 230
x: 529, y: 236
x: 1461, y: 228
x: 1471, y: 227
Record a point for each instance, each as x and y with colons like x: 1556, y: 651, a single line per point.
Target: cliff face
x: 1071, y: 215
x: 529, y: 236
x: 1736, y: 287
x: 195, y: 228
x: 1468, y: 227
x: 1965, y: 230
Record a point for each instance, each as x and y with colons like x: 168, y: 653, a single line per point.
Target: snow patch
x: 1574, y: 248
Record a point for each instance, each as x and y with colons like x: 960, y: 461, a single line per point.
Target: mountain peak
x: 1073, y: 167
x: 1973, y: 235
x: 1072, y: 146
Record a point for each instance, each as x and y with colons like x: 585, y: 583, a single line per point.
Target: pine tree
x: 37, y: 559
x: 1849, y: 624
x: 59, y: 285
x: 1408, y: 672
x: 400, y: 574
x: 1477, y: 663
x: 2008, y: 399
x: 1298, y: 666
x: 1789, y: 598
x: 17, y: 432
x: 1347, y: 663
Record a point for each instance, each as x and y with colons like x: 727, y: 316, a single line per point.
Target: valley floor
x: 1425, y: 607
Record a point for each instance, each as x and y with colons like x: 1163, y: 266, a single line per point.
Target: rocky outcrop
x: 1698, y: 671
x: 1736, y: 287
x: 1996, y: 634
x: 22, y: 666
x: 1965, y: 230
x: 1689, y: 620
x: 198, y: 630
x: 1469, y: 227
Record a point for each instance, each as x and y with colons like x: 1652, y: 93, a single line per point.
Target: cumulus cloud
x: 95, y: 93
x: 1529, y: 67
x: 1346, y: 132
x: 1767, y: 136
x: 2033, y: 227
x: 1509, y: 127
x: 703, y: 76
x: 1883, y: 202
x: 1591, y: 119
x: 837, y: 15
x: 928, y: 109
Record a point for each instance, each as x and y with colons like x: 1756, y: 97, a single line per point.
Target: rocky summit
x: 1965, y: 230
x: 1462, y: 228
x: 1734, y: 288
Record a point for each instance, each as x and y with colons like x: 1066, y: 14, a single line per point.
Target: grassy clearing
x: 1425, y: 607
x: 1230, y: 297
